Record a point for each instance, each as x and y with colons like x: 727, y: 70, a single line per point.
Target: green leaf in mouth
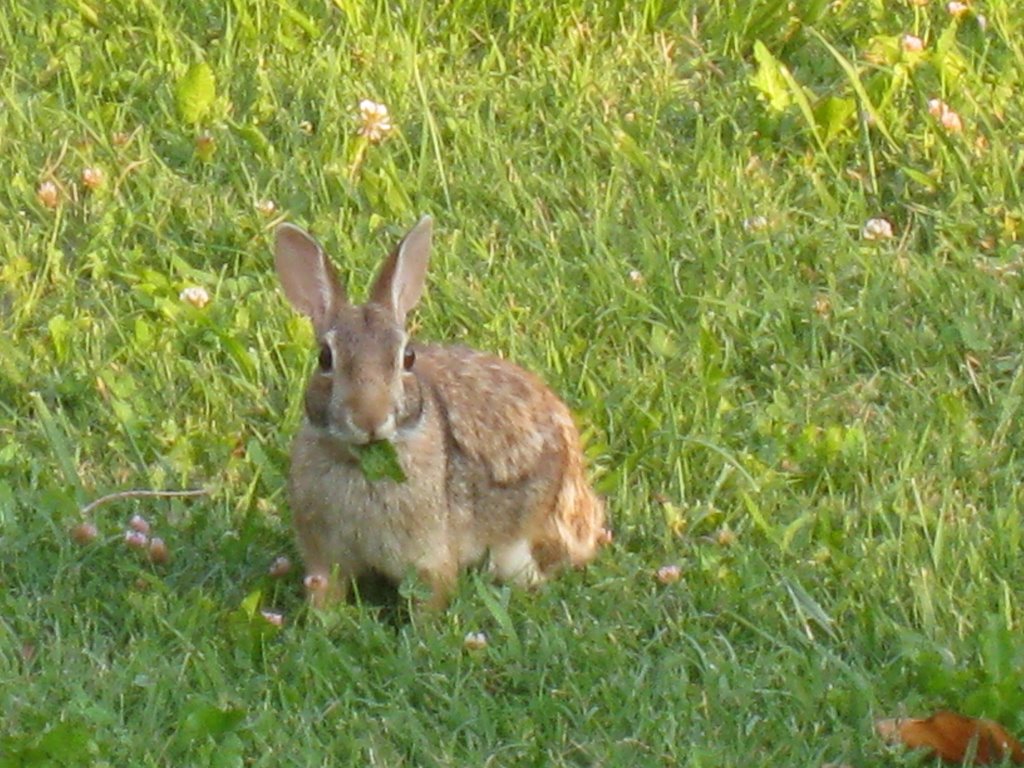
x: 379, y: 460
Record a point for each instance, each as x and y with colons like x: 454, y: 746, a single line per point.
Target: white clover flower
x: 48, y: 194
x: 949, y: 119
x: 821, y: 305
x: 912, y: 44
x: 669, y: 574
x: 266, y: 207
x: 636, y: 277
x: 315, y: 583
x: 195, y: 295
x: 83, y: 533
x: 136, y: 539
x: 876, y: 229
x: 755, y: 224
x: 375, y: 122
x: 474, y: 641
x: 957, y: 9
x: 275, y: 618
x: 281, y: 566
x: 982, y: 22
x: 158, y: 551
x: 139, y: 523
x: 93, y: 177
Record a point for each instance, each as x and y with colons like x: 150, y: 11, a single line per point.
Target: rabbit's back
x: 499, y: 415
x: 515, y: 468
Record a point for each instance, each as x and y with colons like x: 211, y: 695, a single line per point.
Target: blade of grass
x: 857, y: 85
x: 57, y: 439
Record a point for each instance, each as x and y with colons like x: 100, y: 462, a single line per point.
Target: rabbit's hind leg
x: 515, y: 563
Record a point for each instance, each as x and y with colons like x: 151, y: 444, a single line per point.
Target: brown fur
x: 492, y: 458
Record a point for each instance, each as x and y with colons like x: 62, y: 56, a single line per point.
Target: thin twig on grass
x: 138, y: 494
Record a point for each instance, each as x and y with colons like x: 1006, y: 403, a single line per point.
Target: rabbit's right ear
x: 308, y: 279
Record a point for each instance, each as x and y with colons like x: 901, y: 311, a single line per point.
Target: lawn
x: 770, y: 254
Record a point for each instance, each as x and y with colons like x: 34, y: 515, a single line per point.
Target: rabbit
x: 492, y: 459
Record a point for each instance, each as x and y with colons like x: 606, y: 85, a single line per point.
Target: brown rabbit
x: 491, y: 456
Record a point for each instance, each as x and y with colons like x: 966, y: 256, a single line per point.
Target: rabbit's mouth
x: 348, y: 445
x: 354, y: 434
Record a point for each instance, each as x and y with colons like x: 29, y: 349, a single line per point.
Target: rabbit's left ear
x: 399, y: 285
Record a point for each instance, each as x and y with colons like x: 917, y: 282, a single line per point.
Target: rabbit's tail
x: 579, y: 517
x: 578, y: 512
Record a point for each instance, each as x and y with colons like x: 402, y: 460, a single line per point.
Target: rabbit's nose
x: 371, y: 415
x: 382, y: 431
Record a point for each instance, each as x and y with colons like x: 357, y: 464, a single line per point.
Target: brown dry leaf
x: 953, y: 737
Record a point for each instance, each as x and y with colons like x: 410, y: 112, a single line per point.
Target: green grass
x: 822, y: 431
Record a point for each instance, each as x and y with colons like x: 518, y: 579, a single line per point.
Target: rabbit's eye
x: 408, y: 358
x: 326, y: 360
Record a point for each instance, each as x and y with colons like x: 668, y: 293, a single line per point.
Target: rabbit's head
x: 363, y: 388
